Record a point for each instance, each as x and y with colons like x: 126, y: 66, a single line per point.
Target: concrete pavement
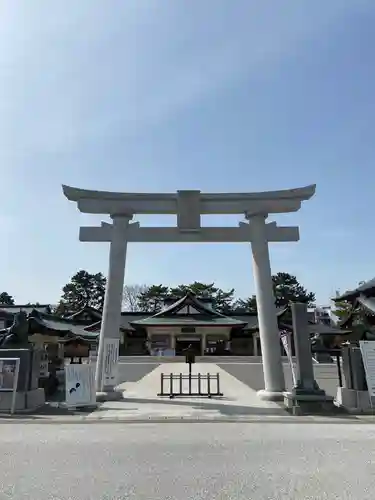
x: 132, y: 372
x: 251, y: 374
x: 184, y: 462
x: 141, y: 400
x: 248, y: 369
x: 239, y: 381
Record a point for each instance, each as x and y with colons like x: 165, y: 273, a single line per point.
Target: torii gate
x: 189, y: 206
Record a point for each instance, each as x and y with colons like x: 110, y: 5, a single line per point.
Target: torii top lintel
x: 267, y: 202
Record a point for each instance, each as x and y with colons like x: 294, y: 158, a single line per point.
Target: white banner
x: 111, y: 354
x: 368, y: 355
x: 287, y: 344
x: 80, y: 385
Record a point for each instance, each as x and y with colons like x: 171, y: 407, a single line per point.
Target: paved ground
x: 141, y: 400
x: 187, y: 461
x: 252, y: 375
x: 240, y: 380
x: 132, y: 372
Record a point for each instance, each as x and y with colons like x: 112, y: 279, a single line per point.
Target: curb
x: 190, y: 420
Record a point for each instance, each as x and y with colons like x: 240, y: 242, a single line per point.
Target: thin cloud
x: 84, y: 73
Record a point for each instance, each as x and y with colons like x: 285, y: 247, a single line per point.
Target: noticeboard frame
x: 13, y: 389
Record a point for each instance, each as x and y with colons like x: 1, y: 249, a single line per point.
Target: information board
x: 80, y: 385
x: 44, y: 365
x: 9, y: 371
x: 111, y: 354
x: 368, y: 356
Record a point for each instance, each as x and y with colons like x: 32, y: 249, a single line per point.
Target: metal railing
x: 172, y: 385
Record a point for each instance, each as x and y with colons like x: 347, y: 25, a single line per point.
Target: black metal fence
x: 198, y: 384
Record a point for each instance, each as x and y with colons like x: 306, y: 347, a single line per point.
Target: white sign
x: 9, y: 371
x: 111, y: 354
x: 287, y: 344
x: 80, y: 385
x: 44, y: 371
x: 368, y: 355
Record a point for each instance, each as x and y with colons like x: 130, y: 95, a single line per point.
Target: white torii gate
x: 189, y: 206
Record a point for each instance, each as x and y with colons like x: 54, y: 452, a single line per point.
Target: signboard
x: 368, y: 355
x: 160, y: 341
x: 286, y: 341
x: 9, y: 371
x: 43, y: 370
x: 160, y: 330
x: 111, y: 354
x: 80, y: 385
x: 162, y: 352
x: 188, y: 338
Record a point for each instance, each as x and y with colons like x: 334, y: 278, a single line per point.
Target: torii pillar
x: 109, y: 339
x: 274, y: 381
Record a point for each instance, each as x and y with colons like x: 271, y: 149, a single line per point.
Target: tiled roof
x: 361, y: 289
x: 27, y: 308
x: 205, y: 315
x: 368, y: 303
x: 89, y: 311
x: 60, y: 327
x: 198, y: 320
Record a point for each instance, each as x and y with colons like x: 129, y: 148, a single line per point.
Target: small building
x: 52, y: 332
x: 360, y: 318
x: 7, y: 312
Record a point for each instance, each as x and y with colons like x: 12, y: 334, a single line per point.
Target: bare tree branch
x: 130, y: 297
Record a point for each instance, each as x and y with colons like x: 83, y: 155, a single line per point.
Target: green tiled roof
x: 171, y: 315
x: 181, y: 320
x: 59, y: 326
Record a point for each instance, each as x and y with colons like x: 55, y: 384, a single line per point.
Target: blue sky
x: 160, y: 95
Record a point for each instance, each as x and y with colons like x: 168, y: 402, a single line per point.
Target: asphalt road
x: 187, y: 461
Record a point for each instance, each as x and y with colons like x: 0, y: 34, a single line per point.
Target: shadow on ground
x: 226, y: 411
x: 223, y: 409
x: 48, y: 411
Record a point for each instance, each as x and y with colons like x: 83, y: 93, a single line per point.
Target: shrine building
x: 185, y: 321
